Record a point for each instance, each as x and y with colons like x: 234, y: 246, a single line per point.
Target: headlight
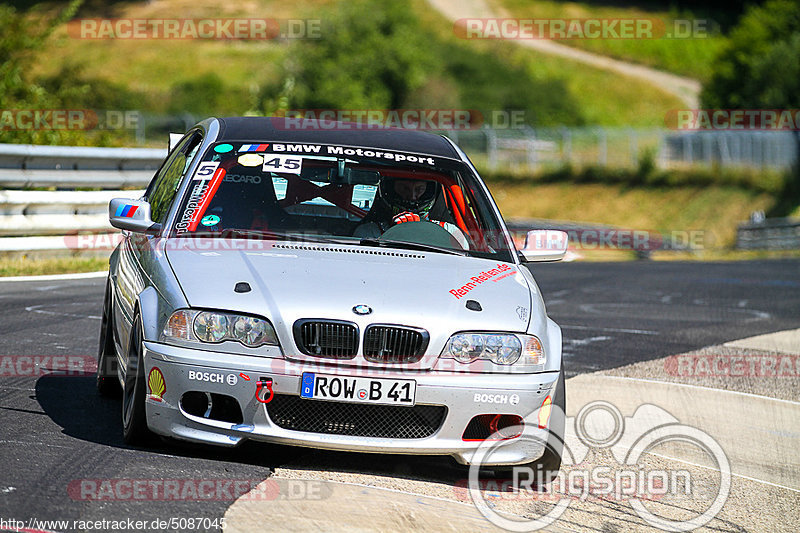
x: 210, y: 327
x: 215, y: 327
x: 499, y: 348
x: 465, y: 348
x: 252, y: 331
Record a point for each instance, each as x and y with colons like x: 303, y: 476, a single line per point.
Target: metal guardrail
x: 51, y: 219
x: 56, y: 212
x: 29, y: 166
x: 769, y: 234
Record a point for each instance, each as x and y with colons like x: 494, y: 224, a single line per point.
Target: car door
x: 131, y: 278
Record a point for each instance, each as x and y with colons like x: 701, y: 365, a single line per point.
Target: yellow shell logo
x: 155, y: 382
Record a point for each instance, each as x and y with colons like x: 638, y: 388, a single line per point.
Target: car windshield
x: 340, y: 194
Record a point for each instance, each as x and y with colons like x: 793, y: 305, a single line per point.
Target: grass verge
x: 691, y: 55
x: 25, y: 266
x: 713, y: 210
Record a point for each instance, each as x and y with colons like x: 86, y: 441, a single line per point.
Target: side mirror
x: 132, y: 215
x: 545, y: 245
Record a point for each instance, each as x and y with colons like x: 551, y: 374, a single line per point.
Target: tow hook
x: 264, y: 383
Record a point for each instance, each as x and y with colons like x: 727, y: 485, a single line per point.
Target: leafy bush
x: 377, y: 55
x: 760, y: 67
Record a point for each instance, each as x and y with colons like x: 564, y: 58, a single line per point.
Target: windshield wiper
x: 409, y: 246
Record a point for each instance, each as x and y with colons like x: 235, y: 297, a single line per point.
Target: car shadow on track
x: 73, y: 403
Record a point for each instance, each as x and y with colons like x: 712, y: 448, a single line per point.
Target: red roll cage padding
x: 299, y: 190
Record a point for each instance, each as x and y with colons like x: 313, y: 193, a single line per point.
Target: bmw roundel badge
x: 362, y: 309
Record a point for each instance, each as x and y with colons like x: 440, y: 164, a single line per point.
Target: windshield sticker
x: 210, y: 220
x: 503, y: 269
x: 254, y: 147
x: 285, y: 164
x: 304, y: 148
x: 206, y: 170
x: 223, y: 148
x: 250, y: 160
x: 341, y: 150
x: 242, y: 178
x: 201, y: 195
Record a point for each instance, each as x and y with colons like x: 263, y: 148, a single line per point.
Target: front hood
x: 420, y: 289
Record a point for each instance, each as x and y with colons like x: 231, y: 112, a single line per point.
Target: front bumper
x: 464, y: 395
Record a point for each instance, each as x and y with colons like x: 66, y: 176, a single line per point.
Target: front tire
x: 107, y: 380
x: 134, y: 417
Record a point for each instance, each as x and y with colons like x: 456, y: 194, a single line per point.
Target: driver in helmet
x: 408, y: 200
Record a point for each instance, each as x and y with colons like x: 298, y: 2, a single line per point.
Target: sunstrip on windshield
x: 206, y: 198
x: 253, y: 147
x: 126, y: 211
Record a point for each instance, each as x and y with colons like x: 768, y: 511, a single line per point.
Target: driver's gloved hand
x: 406, y: 216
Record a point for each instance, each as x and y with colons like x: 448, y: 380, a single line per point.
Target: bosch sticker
x: 209, y: 377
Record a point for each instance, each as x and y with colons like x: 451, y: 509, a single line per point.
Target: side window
x: 162, y: 191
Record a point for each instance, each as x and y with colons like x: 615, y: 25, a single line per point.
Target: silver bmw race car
x: 326, y: 285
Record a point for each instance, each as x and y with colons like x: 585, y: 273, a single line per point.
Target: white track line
x: 701, y: 387
x: 718, y: 470
x: 614, y: 330
x: 57, y: 277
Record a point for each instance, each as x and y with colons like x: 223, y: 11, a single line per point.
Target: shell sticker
x: 156, y: 384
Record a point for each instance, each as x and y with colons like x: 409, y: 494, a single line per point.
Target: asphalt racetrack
x: 55, y: 431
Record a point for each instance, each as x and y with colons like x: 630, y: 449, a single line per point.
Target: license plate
x: 358, y: 389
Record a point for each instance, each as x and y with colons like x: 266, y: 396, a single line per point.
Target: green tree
x: 760, y: 67
x: 370, y: 56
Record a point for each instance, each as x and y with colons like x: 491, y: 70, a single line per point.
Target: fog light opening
x: 212, y: 406
x: 482, y: 427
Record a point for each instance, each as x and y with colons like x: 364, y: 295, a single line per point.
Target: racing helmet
x: 407, y: 194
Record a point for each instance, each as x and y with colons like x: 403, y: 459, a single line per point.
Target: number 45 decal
x: 288, y: 164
